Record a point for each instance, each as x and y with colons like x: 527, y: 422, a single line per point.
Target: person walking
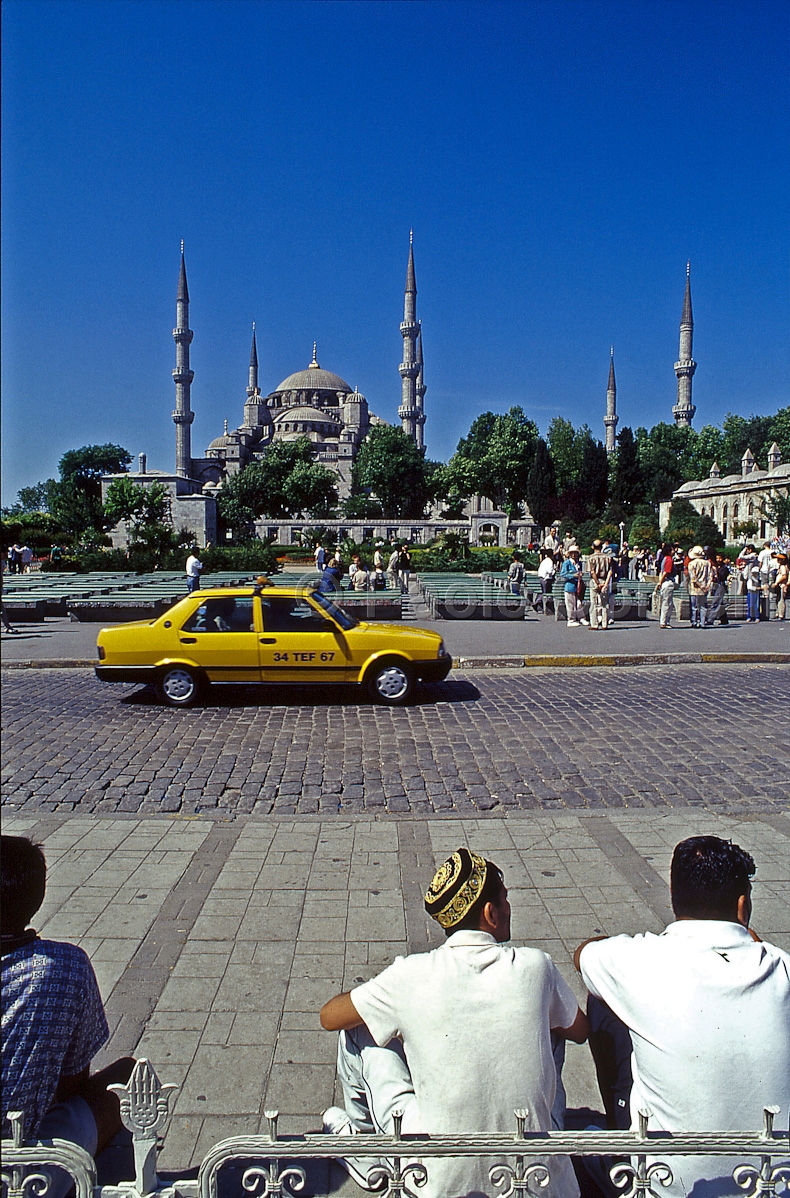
x: 194, y: 569
x: 404, y: 568
x: 700, y: 584
x: 570, y: 575
x: 750, y: 573
x: 782, y: 584
x: 600, y: 567
x: 515, y: 574
x: 546, y: 572
x: 392, y: 567
x: 665, y: 587
x: 721, y: 573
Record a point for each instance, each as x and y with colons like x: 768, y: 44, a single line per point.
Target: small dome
x: 303, y: 414
x: 313, y: 380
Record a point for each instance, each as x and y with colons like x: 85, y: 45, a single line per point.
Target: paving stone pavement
x: 482, y: 742
x: 216, y: 944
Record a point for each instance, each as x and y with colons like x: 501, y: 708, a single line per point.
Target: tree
x: 390, y: 467
x: 136, y: 503
x: 495, y: 459
x: 666, y: 456
x: 688, y: 527
x: 32, y: 499
x: 628, y: 487
x: 776, y: 508
x: 75, y: 501
x: 541, y: 492
x: 285, y: 482
x: 565, y: 456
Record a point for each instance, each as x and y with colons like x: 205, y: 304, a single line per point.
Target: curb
x: 569, y: 660
x: 55, y: 663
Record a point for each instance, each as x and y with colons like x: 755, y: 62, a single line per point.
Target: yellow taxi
x: 268, y: 635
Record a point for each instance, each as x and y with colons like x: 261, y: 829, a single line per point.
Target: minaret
x: 420, y: 390
x: 685, y: 366
x: 409, y: 367
x: 611, y: 418
x: 182, y: 376
x: 252, y: 385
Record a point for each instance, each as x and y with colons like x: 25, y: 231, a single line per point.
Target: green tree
x: 495, y: 459
x: 666, y: 459
x: 391, y: 468
x: 541, y: 492
x: 285, y: 482
x: 32, y: 499
x: 75, y: 500
x: 565, y: 452
x: 628, y: 487
x: 136, y: 503
x: 688, y: 527
x: 776, y: 508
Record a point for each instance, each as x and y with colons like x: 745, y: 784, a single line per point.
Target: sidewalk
x: 63, y: 642
x: 216, y: 943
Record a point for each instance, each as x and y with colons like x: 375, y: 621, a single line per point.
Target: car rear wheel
x: 179, y: 686
x: 391, y: 682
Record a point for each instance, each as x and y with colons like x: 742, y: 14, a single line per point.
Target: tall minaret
x: 252, y: 385
x: 420, y: 390
x: 409, y: 367
x: 182, y: 376
x: 611, y: 418
x: 685, y: 366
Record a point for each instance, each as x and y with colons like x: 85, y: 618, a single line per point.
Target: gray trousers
x: 665, y: 610
x: 599, y: 608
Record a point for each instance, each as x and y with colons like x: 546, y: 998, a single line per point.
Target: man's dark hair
x: 708, y: 876
x: 23, y: 877
x: 491, y: 893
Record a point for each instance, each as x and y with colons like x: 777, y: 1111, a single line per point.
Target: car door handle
x: 188, y: 640
x: 268, y: 640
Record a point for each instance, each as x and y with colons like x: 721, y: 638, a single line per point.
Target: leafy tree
x: 285, y: 482
x: 541, y: 494
x: 665, y: 458
x: 391, y: 467
x: 565, y: 453
x: 688, y: 527
x: 628, y: 487
x: 32, y: 499
x: 495, y: 459
x: 75, y: 501
x: 359, y: 506
x: 136, y: 503
x: 644, y: 528
x: 776, y: 508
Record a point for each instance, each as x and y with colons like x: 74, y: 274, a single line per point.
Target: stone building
x: 736, y: 498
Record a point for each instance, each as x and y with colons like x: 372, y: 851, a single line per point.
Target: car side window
x: 222, y: 615
x: 292, y: 615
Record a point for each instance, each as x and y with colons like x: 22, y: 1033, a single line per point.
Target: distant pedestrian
x: 360, y: 579
x: 721, y: 574
x: 515, y: 574
x: 194, y: 569
x: 392, y: 567
x: 600, y: 567
x: 552, y: 542
x: 26, y: 559
x: 404, y: 568
x: 767, y: 570
x: 750, y: 574
x: 666, y: 588
x: 13, y: 559
x: 319, y: 556
x: 781, y: 584
x: 700, y: 575
x: 570, y: 575
x: 546, y: 573
x: 330, y: 579
x: 378, y: 560
x: 378, y: 579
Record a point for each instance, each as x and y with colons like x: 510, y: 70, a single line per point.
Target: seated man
x: 53, y: 1023
x: 707, y: 1005
x: 457, y: 1038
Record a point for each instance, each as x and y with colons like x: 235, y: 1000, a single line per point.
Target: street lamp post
x: 622, y: 535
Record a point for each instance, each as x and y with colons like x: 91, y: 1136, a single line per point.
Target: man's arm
x: 584, y: 943
x: 578, y: 1031
x: 340, y: 1014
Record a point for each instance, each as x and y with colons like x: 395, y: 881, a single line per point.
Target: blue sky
x: 558, y: 161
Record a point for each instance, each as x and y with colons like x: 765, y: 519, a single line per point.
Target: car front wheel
x: 391, y: 682
x: 178, y: 686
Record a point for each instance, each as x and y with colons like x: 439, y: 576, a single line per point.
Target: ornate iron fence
x: 400, y: 1164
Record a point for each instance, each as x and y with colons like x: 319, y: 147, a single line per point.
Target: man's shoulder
x: 48, y: 958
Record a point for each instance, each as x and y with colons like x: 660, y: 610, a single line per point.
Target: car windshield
x: 345, y: 621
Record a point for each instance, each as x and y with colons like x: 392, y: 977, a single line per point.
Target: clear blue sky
x: 559, y: 162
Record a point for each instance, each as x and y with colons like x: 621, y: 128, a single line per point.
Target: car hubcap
x: 178, y: 685
x: 392, y: 683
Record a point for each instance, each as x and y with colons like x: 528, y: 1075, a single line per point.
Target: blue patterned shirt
x: 53, y: 1024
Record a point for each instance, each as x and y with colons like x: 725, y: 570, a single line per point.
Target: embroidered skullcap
x: 456, y: 886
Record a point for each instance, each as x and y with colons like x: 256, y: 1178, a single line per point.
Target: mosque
x: 320, y: 405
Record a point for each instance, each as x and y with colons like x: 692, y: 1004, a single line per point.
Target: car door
x: 222, y: 636
x: 299, y: 643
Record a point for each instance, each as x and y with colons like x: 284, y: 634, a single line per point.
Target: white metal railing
x: 401, y: 1163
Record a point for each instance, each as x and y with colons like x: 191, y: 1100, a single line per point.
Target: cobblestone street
x: 689, y: 735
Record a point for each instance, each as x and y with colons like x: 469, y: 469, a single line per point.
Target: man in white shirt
x: 194, y: 568
x: 456, y: 1038
x: 707, y: 1005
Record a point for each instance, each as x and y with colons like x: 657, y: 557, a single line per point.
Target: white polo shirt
x: 475, y: 1019
x: 709, y: 1015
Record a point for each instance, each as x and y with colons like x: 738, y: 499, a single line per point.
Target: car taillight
x: 101, y: 653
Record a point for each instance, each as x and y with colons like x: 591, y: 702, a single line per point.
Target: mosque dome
x: 313, y: 379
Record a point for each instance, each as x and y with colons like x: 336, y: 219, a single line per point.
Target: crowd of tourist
x: 706, y: 573
x: 389, y: 569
